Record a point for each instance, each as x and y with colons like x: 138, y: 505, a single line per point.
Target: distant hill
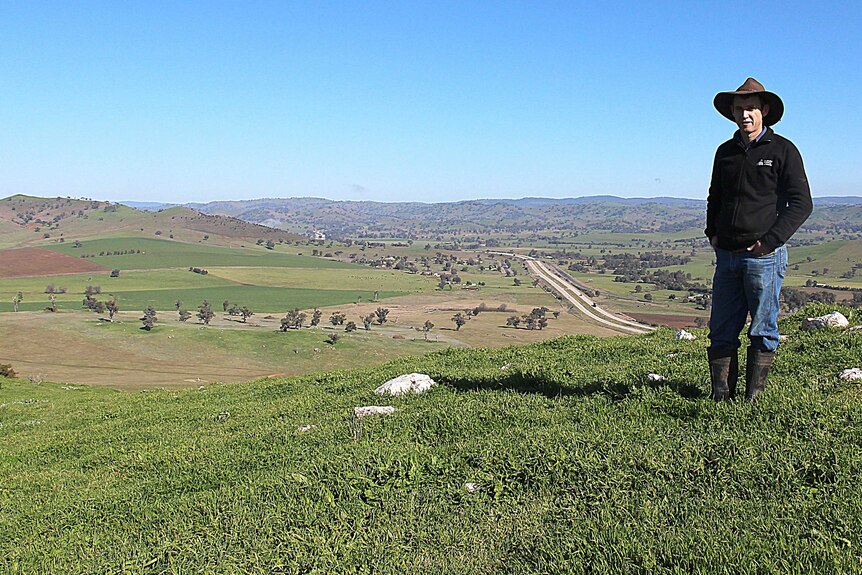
x: 488, y: 216
x: 30, y: 220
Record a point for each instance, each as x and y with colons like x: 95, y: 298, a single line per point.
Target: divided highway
x: 579, y: 299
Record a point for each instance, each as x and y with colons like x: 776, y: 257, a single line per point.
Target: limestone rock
x: 834, y: 319
x: 654, y: 377
x: 471, y: 487
x: 682, y: 334
x: 305, y: 428
x: 404, y: 384
x: 373, y: 410
x: 852, y: 374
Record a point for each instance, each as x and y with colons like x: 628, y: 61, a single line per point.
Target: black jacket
x: 758, y: 194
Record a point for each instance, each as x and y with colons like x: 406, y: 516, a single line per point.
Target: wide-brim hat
x: 723, y: 101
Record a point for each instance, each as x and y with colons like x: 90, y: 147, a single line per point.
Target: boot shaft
x: 757, y: 366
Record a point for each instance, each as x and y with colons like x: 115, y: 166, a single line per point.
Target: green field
x: 162, y: 288
x: 576, y: 464
x: 169, y: 254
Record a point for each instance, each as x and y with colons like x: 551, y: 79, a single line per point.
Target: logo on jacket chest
x: 765, y: 163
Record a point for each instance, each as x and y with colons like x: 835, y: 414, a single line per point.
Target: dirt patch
x: 666, y: 320
x: 39, y: 262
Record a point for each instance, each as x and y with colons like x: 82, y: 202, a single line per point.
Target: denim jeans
x: 746, y: 284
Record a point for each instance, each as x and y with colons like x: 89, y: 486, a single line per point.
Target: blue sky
x: 412, y: 101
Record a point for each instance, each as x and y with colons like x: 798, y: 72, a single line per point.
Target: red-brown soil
x: 666, y: 320
x: 38, y: 262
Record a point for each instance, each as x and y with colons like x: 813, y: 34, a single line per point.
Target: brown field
x: 38, y: 262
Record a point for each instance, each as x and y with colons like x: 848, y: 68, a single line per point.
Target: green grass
x: 167, y: 254
x: 582, y: 466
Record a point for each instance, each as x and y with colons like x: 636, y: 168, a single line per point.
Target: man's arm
x: 794, y: 196
x: 713, y: 202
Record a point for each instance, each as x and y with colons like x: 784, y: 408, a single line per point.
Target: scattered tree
x: 333, y: 338
x: 245, y: 313
x: 315, y: 317
x: 367, y: 321
x: 350, y: 327
x: 205, y: 312
x: 184, y: 315
x: 337, y: 318
x: 178, y: 304
x: 149, y: 319
x: 115, y: 273
x: 381, y: 313
x: 19, y: 297
x: 426, y: 327
x: 112, y: 308
x: 459, y: 319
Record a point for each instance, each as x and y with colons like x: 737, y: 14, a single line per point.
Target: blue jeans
x: 746, y: 284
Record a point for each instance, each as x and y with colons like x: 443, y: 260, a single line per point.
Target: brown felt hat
x: 724, y: 101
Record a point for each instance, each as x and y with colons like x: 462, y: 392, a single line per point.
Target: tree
x: 234, y: 310
x: 513, y: 321
x: 115, y: 273
x: 367, y: 321
x: 16, y: 300
x: 184, y: 315
x: 426, y: 327
x: 53, y: 299
x: 293, y: 320
x: 245, y: 313
x: 381, y: 313
x: 112, y: 308
x: 350, y: 327
x: 149, y: 319
x: 270, y: 244
x: 224, y: 305
x: 459, y: 319
x: 333, y: 338
x: 178, y: 304
x: 92, y: 290
x: 205, y: 312
x: 337, y: 318
x: 315, y: 317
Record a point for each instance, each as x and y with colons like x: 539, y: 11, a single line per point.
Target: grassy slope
x: 582, y: 466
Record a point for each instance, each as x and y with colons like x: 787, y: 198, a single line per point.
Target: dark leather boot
x: 757, y: 367
x: 723, y: 373
x: 733, y: 375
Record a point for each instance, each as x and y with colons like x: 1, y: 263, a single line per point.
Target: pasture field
x: 156, y: 253
x: 557, y: 457
x: 66, y: 348
x: 162, y: 288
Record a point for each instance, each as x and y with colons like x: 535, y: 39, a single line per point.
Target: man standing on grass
x: 758, y: 198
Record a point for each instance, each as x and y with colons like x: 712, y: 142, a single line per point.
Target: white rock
x: 404, y: 384
x: 505, y: 367
x: 852, y: 374
x: 834, y: 319
x: 373, y: 410
x: 855, y: 328
x: 672, y: 355
x: 305, y: 428
x: 471, y: 487
x: 682, y: 334
x: 655, y: 377
x: 782, y: 337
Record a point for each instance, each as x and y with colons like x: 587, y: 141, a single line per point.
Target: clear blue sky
x: 407, y: 100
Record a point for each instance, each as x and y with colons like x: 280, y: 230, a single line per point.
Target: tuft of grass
x: 581, y: 464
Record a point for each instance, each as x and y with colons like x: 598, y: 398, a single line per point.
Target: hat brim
x: 723, y: 102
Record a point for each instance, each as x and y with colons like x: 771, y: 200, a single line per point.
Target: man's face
x: 748, y: 114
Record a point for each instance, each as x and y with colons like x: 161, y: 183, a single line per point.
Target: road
x: 577, y: 298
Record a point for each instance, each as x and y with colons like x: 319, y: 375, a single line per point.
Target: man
x: 758, y: 198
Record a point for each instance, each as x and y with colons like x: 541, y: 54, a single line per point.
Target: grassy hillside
x: 38, y: 221
x: 581, y: 465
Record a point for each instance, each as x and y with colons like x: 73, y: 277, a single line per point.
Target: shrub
x: 6, y: 370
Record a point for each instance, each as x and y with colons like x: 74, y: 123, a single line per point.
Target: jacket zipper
x: 739, y: 186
